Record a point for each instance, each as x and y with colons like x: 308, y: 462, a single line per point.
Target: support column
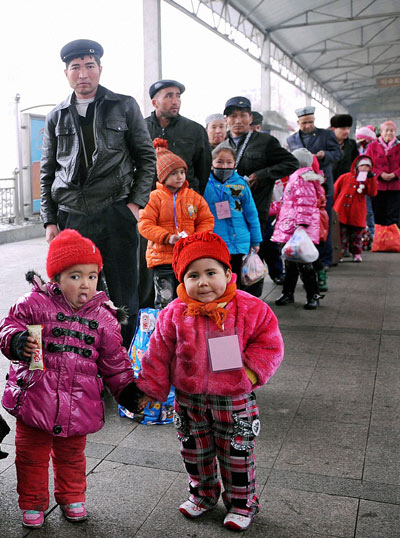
x: 266, y: 76
x: 152, y: 48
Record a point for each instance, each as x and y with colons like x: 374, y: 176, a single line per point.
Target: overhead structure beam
x: 233, y: 25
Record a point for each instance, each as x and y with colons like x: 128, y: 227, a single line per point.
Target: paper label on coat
x: 224, y: 353
x: 223, y: 210
x: 362, y: 176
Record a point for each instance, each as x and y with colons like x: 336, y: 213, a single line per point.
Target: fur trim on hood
x: 310, y: 175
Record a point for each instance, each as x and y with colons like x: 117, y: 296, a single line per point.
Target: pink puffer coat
x: 300, y: 206
x: 81, y: 349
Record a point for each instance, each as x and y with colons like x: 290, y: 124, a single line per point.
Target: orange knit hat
x: 70, y: 248
x: 199, y: 245
x: 167, y: 161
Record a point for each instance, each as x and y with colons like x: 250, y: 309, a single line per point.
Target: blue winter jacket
x: 242, y: 229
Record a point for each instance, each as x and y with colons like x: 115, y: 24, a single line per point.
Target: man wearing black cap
x: 185, y: 137
x: 341, y: 125
x: 260, y: 158
x: 97, y: 170
x: 256, y: 124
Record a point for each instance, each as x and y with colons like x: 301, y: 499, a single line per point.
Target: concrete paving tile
x: 382, y: 461
x: 353, y: 344
x: 345, y: 361
x: 304, y: 514
x: 378, y: 520
x: 153, y: 437
x: 344, y: 487
x: 390, y: 347
x: 385, y: 493
x: 326, y: 448
x: 98, y: 450
x: 269, y: 442
x: 147, y: 458
x: 323, y: 408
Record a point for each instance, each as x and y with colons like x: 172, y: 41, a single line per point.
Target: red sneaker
x: 32, y: 519
x: 74, y: 512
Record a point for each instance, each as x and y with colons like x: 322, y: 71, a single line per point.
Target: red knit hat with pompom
x: 167, y: 161
x: 70, y: 248
x: 196, y: 246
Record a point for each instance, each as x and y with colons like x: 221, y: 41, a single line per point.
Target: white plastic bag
x: 300, y: 248
x: 253, y: 269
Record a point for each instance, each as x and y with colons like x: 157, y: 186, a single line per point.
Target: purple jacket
x: 81, y: 348
x: 300, y: 206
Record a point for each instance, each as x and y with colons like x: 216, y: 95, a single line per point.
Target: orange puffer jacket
x: 157, y: 220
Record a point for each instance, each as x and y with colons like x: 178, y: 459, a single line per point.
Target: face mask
x: 223, y: 174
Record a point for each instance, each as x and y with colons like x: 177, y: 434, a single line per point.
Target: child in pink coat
x: 215, y: 344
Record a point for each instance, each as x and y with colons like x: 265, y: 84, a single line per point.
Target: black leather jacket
x: 189, y: 140
x: 265, y: 157
x: 123, y: 161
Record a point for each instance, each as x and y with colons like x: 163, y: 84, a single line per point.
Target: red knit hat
x: 196, y: 246
x: 70, y: 248
x: 167, y: 161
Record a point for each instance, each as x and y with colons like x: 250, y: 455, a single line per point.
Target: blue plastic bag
x: 161, y: 412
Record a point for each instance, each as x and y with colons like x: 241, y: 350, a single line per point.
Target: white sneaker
x: 236, y: 522
x: 191, y: 510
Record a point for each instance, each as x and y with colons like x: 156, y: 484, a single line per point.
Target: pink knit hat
x: 366, y: 133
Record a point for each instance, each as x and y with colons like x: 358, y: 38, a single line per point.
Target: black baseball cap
x: 236, y: 102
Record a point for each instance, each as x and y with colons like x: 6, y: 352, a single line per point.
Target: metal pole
x: 20, y: 164
x: 16, y: 206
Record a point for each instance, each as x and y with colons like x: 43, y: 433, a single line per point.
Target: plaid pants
x: 351, y: 238
x: 223, y: 427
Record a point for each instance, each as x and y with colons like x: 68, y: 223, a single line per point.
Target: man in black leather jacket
x: 261, y: 159
x: 97, y: 170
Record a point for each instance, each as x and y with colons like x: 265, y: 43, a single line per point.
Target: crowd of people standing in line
x: 200, y: 198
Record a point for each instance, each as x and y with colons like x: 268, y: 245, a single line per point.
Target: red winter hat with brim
x: 70, y: 248
x: 167, y: 162
x: 196, y: 246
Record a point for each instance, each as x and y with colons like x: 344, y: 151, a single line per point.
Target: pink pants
x: 33, y: 450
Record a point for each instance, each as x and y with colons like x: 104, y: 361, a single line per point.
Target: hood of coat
x: 52, y: 288
x: 308, y: 174
x: 356, y: 160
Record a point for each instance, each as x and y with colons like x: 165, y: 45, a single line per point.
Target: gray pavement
x: 328, y: 455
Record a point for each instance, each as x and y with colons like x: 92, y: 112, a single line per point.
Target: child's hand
x: 144, y: 400
x: 255, y: 248
x: 173, y: 239
x: 30, y: 346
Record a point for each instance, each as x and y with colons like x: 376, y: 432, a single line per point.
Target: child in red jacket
x: 351, y: 205
x: 215, y: 344
x: 173, y: 211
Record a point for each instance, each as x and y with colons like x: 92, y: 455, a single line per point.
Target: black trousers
x: 307, y: 275
x: 165, y: 284
x: 386, y: 206
x: 113, y: 231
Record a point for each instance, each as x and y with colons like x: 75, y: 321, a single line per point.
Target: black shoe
x: 285, y: 299
x: 313, y: 302
x: 279, y: 280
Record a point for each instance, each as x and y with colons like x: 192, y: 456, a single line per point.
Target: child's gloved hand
x: 22, y: 346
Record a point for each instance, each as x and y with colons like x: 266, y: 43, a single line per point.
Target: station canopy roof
x: 350, y: 47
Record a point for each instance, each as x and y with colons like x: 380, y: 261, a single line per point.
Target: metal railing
x: 9, y: 210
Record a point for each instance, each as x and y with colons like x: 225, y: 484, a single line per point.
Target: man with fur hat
x: 341, y: 125
x: 97, y: 170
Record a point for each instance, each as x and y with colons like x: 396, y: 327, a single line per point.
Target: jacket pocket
x: 65, y: 139
x: 19, y: 379
x: 115, y: 133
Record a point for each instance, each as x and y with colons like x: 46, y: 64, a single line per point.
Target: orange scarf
x: 214, y: 310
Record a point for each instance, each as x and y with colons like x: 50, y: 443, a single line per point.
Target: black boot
x: 285, y: 298
x: 313, y: 301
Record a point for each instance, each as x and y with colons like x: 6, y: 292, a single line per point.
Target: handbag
x: 386, y: 238
x: 300, y: 248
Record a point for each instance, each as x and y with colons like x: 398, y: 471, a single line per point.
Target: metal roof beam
x: 352, y: 48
